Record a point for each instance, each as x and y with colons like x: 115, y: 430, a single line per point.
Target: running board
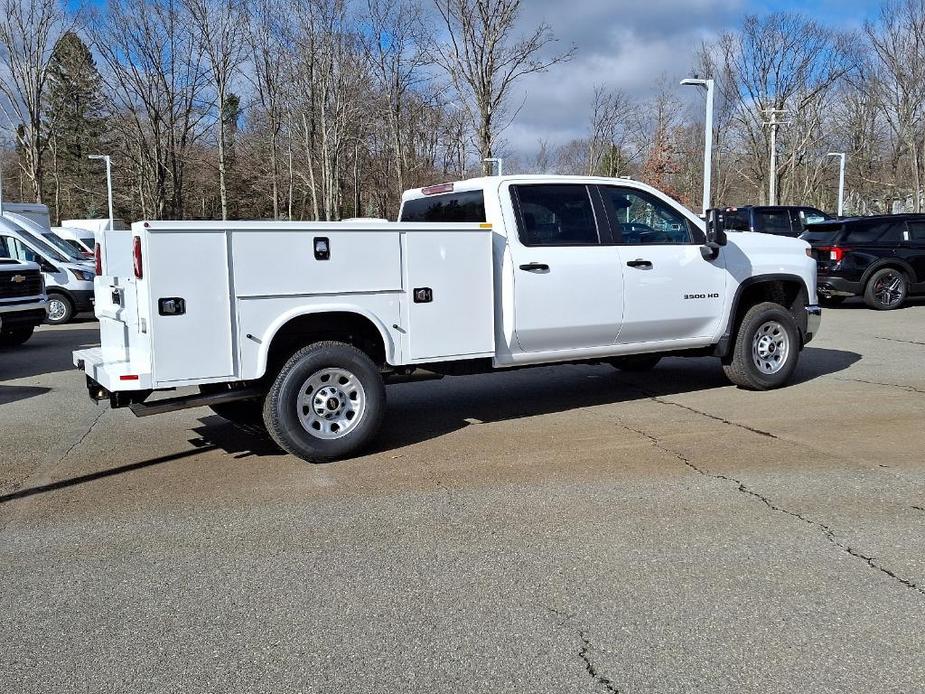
x: 147, y: 409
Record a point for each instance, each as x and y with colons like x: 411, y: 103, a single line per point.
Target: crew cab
x: 782, y: 220
x: 299, y: 325
x: 23, y: 304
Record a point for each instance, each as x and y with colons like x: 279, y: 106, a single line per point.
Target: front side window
x: 465, y: 206
x: 640, y: 218
x: 20, y: 251
x: 772, y: 221
x: 555, y: 215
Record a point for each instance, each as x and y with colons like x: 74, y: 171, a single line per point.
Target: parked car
x: 881, y: 258
x: 299, y: 325
x: 68, y: 277
x: 23, y: 303
x: 782, y: 220
x: 80, y: 240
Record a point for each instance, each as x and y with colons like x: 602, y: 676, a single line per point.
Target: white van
x: 68, y: 277
x: 81, y: 240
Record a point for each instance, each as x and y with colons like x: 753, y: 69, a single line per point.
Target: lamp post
x: 498, y: 163
x: 106, y: 158
x: 841, y: 180
x: 706, y: 85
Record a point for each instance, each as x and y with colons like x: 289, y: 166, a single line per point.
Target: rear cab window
x: 463, y: 206
x: 555, y: 215
x: 773, y: 221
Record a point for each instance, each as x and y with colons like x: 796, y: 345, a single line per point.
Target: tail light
x: 836, y: 253
x: 136, y: 257
x: 98, y: 255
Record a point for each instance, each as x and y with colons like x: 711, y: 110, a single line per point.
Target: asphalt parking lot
x: 561, y: 529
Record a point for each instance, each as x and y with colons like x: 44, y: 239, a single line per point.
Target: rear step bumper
x: 146, y: 409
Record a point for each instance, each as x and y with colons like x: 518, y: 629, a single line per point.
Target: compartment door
x: 453, y: 314
x: 197, y: 342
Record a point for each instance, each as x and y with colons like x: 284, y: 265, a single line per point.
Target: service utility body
x: 298, y: 326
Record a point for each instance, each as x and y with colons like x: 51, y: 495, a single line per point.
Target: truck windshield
x: 46, y: 249
x: 63, y: 246
x: 465, y: 206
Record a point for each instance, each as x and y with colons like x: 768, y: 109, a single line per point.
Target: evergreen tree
x: 76, y: 123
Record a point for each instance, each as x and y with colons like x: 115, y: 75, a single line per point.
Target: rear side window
x: 821, y: 233
x: 870, y: 232
x: 465, y: 206
x: 736, y: 220
x: 555, y: 215
x: 772, y: 221
x: 916, y: 229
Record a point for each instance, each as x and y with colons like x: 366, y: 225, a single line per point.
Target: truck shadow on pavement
x: 422, y: 411
x: 48, y: 351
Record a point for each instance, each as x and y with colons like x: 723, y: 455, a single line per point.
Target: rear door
x: 670, y: 291
x: 568, y: 286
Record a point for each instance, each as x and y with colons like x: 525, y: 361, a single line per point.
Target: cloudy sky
x: 631, y: 44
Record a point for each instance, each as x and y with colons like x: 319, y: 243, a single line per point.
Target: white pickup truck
x: 299, y: 325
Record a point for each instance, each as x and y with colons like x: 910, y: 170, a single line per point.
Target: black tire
x: 756, y: 329
x: 886, y: 289
x: 636, y: 362
x: 284, y: 418
x: 831, y: 301
x: 66, y: 312
x: 16, y: 335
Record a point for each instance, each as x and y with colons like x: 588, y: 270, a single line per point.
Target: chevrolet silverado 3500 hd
x: 299, y: 325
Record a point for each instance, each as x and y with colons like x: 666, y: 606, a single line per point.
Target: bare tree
x: 610, y: 112
x: 29, y: 30
x: 220, y: 25
x: 484, y: 60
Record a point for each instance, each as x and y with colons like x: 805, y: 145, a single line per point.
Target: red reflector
x: 136, y: 257
x: 441, y: 188
x: 133, y: 377
x: 98, y: 254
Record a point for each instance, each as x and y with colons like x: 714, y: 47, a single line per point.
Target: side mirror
x: 716, y: 235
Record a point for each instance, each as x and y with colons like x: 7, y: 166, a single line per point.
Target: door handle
x: 640, y: 263
x: 535, y: 267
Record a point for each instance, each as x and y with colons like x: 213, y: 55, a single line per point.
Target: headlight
x: 82, y: 275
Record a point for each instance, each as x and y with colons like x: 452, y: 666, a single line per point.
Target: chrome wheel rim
x: 331, y: 403
x: 889, y: 289
x: 56, y: 310
x: 770, y: 347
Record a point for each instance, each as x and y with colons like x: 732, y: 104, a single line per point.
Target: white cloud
x: 626, y: 45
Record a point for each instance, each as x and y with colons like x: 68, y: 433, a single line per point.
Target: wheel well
x: 788, y: 292
x: 300, y: 331
x: 888, y: 265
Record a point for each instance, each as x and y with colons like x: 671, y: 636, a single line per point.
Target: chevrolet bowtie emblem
x: 18, y: 279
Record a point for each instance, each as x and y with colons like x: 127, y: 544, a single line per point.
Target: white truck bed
x: 240, y: 282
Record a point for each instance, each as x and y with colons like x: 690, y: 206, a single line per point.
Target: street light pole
x: 108, y: 160
x: 498, y: 163
x: 774, y: 124
x: 707, y: 138
x: 841, y: 180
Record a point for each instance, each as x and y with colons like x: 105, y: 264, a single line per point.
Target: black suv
x: 783, y: 220
x: 881, y: 258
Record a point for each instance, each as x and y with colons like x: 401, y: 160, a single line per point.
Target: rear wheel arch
x: 346, y: 326
x: 888, y: 263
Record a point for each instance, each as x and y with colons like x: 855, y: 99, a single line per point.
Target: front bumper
x: 813, y: 323
x: 29, y: 312
x: 83, y: 300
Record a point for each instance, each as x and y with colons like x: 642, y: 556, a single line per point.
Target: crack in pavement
x: 919, y: 508
x: 42, y: 475
x: 741, y: 487
x: 910, y: 389
x: 655, y: 397
x: 584, y: 651
x: 893, y: 339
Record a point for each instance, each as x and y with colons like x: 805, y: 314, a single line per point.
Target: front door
x: 670, y: 292
x: 567, y: 285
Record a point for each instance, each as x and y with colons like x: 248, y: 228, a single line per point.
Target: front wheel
x: 886, y: 289
x: 766, y: 349
x: 60, y: 309
x: 326, y: 402
x: 15, y: 336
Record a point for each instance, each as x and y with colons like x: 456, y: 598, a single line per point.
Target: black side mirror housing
x: 716, y: 234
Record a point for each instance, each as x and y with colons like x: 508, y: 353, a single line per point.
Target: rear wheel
x: 636, y: 362
x: 326, y: 403
x: 766, y: 349
x: 886, y: 289
x: 60, y: 309
x: 15, y: 335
